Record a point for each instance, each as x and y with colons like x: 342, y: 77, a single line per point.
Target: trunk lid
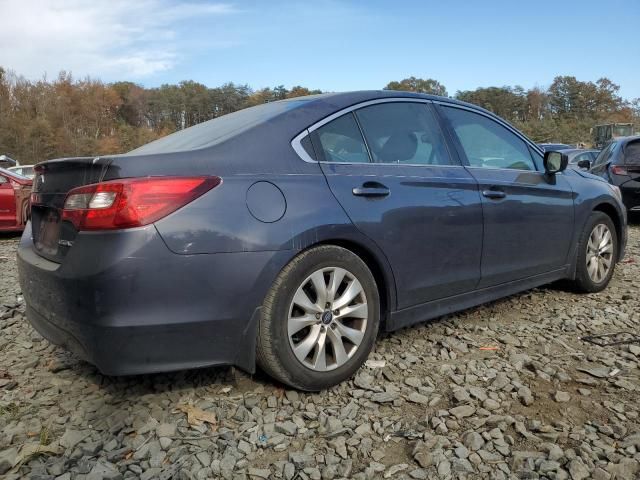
x: 52, y: 238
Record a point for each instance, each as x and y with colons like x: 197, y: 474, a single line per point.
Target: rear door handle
x: 371, y: 189
x: 494, y: 194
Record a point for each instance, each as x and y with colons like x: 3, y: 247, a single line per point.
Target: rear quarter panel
x: 221, y: 220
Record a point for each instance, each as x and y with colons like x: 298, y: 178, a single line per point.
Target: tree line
x: 47, y: 119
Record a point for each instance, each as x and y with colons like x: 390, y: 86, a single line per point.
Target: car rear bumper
x: 125, y: 303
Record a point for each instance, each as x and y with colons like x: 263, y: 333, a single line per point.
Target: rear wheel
x: 597, y: 254
x: 320, y: 319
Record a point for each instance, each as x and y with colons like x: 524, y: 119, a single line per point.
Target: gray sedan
x: 289, y: 234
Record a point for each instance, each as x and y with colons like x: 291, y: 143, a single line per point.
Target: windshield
x: 217, y: 130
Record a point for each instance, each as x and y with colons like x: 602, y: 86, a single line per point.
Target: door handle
x: 371, y: 189
x: 494, y: 194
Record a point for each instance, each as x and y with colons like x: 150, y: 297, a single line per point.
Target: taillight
x: 618, y: 170
x: 131, y: 202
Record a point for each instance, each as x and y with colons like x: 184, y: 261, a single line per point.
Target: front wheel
x: 320, y: 319
x: 597, y: 254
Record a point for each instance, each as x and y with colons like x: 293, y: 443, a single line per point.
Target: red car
x: 14, y: 201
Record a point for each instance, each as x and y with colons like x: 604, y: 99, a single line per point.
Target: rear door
x: 7, y: 203
x: 403, y: 189
x: 528, y: 218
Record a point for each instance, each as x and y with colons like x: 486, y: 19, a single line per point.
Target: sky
x: 331, y: 45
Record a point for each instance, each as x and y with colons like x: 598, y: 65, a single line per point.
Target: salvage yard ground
x: 507, y: 390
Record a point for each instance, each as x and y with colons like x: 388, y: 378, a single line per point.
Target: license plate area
x: 46, y: 230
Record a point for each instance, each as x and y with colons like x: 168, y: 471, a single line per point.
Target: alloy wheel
x: 327, y: 319
x: 599, y: 253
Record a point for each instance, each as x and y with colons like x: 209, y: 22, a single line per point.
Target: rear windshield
x: 217, y: 130
x: 632, y: 153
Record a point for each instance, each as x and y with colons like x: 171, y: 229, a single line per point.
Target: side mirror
x: 586, y: 164
x: 555, y: 162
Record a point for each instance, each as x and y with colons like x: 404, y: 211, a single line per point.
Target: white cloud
x: 109, y: 39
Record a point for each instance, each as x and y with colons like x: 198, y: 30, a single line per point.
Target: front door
x: 528, y: 216
x: 7, y: 203
x: 403, y: 189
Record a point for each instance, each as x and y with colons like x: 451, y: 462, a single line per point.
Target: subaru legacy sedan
x: 288, y: 235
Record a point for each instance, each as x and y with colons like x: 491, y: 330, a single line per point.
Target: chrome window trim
x: 296, y: 143
x: 510, y: 170
x: 394, y: 164
x: 358, y: 106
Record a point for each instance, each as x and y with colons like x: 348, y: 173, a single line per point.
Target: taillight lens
x: 618, y: 170
x: 131, y: 202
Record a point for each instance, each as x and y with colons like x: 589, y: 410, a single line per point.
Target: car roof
x: 309, y: 109
x: 625, y: 140
x: 346, y: 99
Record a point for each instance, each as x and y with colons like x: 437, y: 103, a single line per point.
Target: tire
x: 293, y: 301
x: 585, y: 281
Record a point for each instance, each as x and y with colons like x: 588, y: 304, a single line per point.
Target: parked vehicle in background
x: 604, y: 133
x: 577, y: 155
x: 301, y: 227
x: 14, y: 201
x: 7, y: 162
x: 547, y: 147
x: 619, y: 164
x: 24, y: 170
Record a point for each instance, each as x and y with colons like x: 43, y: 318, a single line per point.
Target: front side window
x: 3, y: 180
x: 340, y: 141
x: 403, y: 133
x: 486, y: 143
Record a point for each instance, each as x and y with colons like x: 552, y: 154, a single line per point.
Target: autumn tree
x: 66, y: 116
x: 418, y: 85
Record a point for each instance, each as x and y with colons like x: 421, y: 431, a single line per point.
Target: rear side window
x: 340, y: 141
x: 2, y: 180
x: 486, y: 143
x: 632, y: 153
x: 403, y: 133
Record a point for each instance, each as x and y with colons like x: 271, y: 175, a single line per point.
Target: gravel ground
x: 507, y: 390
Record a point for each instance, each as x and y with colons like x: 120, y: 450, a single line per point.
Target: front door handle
x: 494, y: 194
x: 371, y: 189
